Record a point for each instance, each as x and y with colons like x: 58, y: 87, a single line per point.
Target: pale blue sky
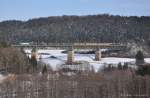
x: 27, y: 9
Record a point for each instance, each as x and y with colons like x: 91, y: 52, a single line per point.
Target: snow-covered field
x: 55, y: 58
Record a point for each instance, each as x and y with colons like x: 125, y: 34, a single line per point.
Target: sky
x: 28, y: 9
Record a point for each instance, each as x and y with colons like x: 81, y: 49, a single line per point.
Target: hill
x: 93, y: 28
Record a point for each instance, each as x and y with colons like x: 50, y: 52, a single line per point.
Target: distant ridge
x: 90, y: 28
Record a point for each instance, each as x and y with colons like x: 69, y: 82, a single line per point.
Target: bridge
x: 71, y: 46
x: 75, y: 45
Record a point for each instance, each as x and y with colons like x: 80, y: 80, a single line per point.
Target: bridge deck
x: 76, y: 45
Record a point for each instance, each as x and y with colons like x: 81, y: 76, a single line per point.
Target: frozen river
x: 56, y: 57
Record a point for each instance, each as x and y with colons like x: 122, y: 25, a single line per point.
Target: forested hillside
x: 94, y: 28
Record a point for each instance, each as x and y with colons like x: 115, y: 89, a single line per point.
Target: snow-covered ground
x: 2, y: 77
x: 55, y: 58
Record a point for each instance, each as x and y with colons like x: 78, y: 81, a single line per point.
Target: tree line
x: 92, y: 28
x: 116, y: 84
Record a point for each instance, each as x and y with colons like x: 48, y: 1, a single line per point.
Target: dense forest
x: 92, y: 28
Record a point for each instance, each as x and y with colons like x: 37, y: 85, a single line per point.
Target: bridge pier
x: 98, y: 55
x: 70, y: 56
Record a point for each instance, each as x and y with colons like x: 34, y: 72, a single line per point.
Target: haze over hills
x: 92, y: 28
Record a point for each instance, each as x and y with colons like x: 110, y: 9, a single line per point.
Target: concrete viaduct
x: 71, y: 46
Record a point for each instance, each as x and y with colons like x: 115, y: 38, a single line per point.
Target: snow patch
x: 2, y: 78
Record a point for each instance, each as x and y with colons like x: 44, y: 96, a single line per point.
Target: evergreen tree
x: 144, y: 70
x: 120, y: 66
x: 125, y: 66
x: 139, y: 58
